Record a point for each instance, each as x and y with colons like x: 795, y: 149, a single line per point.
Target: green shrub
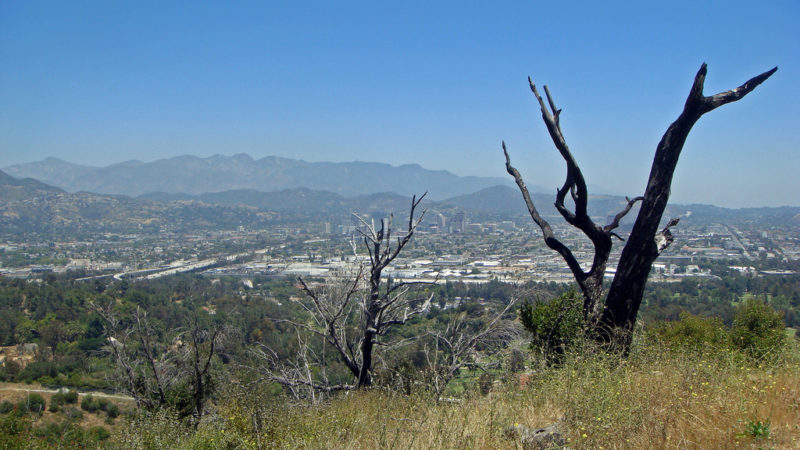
x: 73, y: 414
x: 21, y: 407
x: 112, y: 411
x: 36, y: 403
x: 89, y: 404
x: 37, y: 370
x: 6, y: 407
x: 14, y: 429
x: 10, y: 369
x: 50, y: 431
x: 71, y: 397
x: 91, y: 344
x: 691, y: 332
x: 59, y: 399
x: 758, y: 330
x: 555, y: 325
x: 62, y: 435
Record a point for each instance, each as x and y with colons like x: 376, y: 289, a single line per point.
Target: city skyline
x: 436, y: 85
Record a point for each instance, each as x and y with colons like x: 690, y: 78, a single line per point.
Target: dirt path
x: 13, y: 387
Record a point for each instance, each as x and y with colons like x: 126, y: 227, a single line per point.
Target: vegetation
x: 556, y: 326
x: 700, y: 341
x: 654, y: 398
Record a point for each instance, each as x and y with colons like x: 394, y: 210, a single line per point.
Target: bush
x: 36, y: 403
x: 556, y: 325
x: 758, y: 330
x: 74, y: 414
x: 10, y: 369
x: 51, y: 431
x: 89, y: 404
x: 91, y: 344
x: 691, y: 332
x: 112, y: 411
x: 71, y: 397
x: 21, y: 407
x: 37, y: 370
x: 6, y: 407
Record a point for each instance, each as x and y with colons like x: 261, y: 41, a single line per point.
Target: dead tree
x: 455, y: 346
x: 157, y: 369
x: 350, y: 313
x: 615, y: 316
x: 141, y: 363
x: 386, y: 304
x: 195, y: 347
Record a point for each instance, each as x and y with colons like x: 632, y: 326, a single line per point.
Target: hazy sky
x: 434, y: 83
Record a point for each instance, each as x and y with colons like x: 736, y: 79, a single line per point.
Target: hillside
x: 28, y: 207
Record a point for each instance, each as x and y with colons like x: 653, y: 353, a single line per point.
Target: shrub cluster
x: 59, y: 399
x: 95, y: 405
x: 32, y: 403
x: 758, y: 331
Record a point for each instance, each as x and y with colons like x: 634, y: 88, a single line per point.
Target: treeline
x: 67, y: 343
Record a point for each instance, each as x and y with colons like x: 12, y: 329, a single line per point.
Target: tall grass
x: 655, y: 398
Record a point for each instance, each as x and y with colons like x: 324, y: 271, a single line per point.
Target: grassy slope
x: 655, y: 399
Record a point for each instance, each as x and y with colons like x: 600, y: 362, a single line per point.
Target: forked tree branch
x: 615, y: 222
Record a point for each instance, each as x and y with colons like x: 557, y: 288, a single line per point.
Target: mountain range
x: 194, y: 176
x: 29, y: 206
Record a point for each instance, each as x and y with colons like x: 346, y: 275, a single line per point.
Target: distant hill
x: 301, y: 200
x: 17, y: 189
x: 194, y: 175
x: 504, y: 200
x: 30, y: 208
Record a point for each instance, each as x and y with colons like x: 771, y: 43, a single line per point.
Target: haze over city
x: 436, y: 85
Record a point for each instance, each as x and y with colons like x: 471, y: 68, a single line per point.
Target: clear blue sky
x: 434, y: 83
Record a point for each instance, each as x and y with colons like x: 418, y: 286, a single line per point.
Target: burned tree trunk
x: 351, y: 314
x: 615, y: 317
x: 642, y: 248
x: 385, y: 306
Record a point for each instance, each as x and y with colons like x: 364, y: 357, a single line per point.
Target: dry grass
x: 654, y: 399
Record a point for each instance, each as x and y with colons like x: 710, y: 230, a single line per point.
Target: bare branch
x: 735, y: 94
x: 547, y: 231
x: 615, y: 222
x: 453, y: 348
